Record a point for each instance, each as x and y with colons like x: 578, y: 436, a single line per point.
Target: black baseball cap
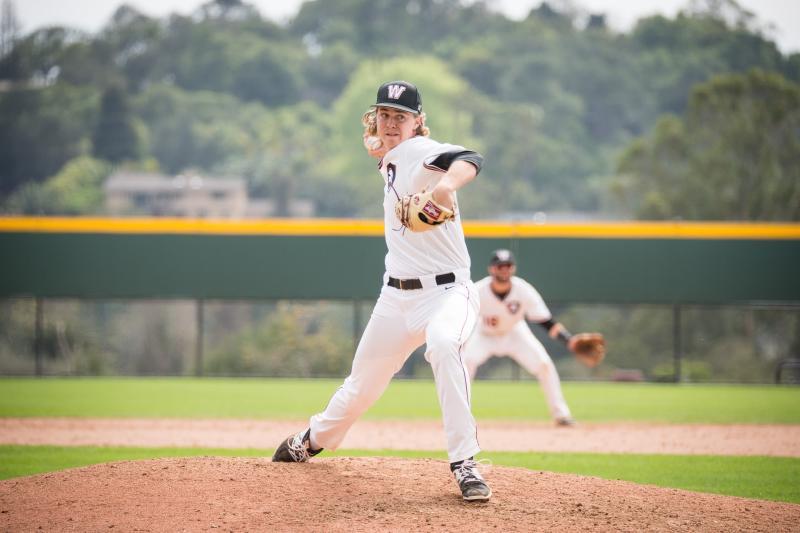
x: 502, y: 257
x: 400, y: 95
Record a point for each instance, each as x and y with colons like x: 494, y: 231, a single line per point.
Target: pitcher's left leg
x: 453, y: 316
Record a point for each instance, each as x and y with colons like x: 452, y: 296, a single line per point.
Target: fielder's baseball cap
x: 400, y: 95
x: 502, y: 257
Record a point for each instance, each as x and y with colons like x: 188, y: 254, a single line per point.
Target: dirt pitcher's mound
x: 358, y: 494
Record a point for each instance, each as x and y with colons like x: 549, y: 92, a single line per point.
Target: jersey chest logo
x: 513, y: 307
x: 391, y: 175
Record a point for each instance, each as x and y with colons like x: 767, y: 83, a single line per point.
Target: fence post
x: 198, y: 349
x: 676, y: 341
x: 37, y: 337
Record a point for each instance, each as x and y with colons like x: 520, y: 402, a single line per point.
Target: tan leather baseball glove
x: 589, y: 348
x: 420, y: 212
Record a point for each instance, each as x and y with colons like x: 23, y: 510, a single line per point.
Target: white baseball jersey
x: 406, y: 170
x: 499, y: 316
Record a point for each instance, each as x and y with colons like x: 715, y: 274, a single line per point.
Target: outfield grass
x: 292, y: 399
x: 769, y: 478
x: 756, y: 477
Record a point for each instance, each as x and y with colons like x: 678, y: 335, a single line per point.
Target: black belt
x: 415, y: 283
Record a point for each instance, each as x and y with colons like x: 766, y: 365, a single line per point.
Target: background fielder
x: 506, y: 301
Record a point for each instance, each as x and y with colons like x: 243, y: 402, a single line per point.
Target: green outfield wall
x: 659, y: 263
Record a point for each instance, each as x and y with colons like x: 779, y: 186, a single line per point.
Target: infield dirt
x: 359, y: 494
x: 648, y: 438
x: 374, y: 494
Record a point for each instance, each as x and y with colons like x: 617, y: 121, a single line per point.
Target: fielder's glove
x: 420, y: 212
x: 589, y: 348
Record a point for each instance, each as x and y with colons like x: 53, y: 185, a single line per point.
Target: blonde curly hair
x: 370, y: 121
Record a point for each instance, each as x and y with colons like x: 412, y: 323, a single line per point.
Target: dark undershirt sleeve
x: 443, y: 161
x: 547, y: 325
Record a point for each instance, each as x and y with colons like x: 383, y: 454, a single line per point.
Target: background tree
x: 551, y: 99
x: 41, y: 130
x: 77, y: 189
x: 115, y: 138
x: 198, y: 129
x: 132, y: 42
x: 735, y: 155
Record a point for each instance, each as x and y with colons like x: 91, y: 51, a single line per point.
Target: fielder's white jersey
x: 406, y: 170
x: 497, y: 316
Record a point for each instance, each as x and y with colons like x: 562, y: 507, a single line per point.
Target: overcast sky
x: 90, y: 15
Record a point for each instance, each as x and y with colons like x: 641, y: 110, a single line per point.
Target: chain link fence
x: 741, y: 344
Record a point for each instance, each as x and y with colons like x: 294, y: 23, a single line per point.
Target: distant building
x: 189, y: 195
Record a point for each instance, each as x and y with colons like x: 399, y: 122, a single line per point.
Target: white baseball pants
x: 442, y: 316
x: 521, y: 345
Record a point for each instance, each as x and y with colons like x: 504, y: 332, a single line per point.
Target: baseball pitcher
x: 426, y: 295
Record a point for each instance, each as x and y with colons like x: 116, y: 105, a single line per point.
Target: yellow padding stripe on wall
x: 374, y: 227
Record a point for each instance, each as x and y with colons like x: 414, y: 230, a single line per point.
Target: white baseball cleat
x: 473, y: 486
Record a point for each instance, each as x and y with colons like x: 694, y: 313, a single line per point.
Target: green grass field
x: 769, y: 478
x: 292, y: 399
x: 772, y: 478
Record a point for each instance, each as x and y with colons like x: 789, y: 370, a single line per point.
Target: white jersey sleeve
x: 406, y: 169
x: 535, y: 308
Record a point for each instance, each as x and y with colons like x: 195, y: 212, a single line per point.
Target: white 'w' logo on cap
x: 395, y: 91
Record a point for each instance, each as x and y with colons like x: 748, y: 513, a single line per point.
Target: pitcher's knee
x: 441, y: 344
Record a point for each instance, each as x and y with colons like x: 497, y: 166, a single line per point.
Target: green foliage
x: 67, y: 345
x: 198, y: 129
x: 733, y: 156
x: 276, y: 165
x: 246, y: 57
x: 39, y: 54
x: 385, y: 28
x: 679, y: 53
x: 638, y: 339
x: 147, y: 339
x: 292, y: 341
x: 550, y: 101
x: 78, y: 186
x: 115, y: 138
x: 328, y: 71
x: 42, y: 130
x: 77, y: 189
x: 132, y: 39
x: 17, y: 336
